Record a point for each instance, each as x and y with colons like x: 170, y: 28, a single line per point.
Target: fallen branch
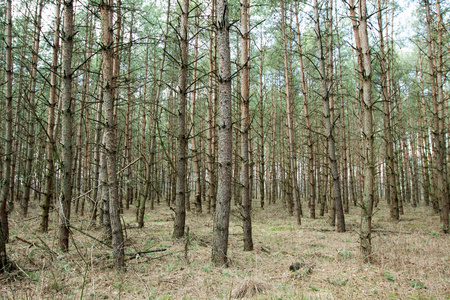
x: 132, y: 255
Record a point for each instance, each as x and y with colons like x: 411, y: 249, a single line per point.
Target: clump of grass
x: 339, y: 282
x: 416, y: 284
x: 249, y: 288
x: 345, y: 254
x: 389, y: 276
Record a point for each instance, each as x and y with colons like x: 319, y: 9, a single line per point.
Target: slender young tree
x: 50, y: 147
x: 32, y: 109
x: 195, y: 143
x: 368, y: 136
x: 110, y: 132
x: 222, y: 214
x: 324, y: 91
x: 245, y: 126
x: 180, y: 205
x: 440, y: 130
x: 311, y: 176
x: 389, y: 148
x: 66, y: 125
x: 4, y: 231
x: 290, y: 121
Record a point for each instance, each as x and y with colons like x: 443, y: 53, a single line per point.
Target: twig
x: 87, y: 234
x: 27, y: 242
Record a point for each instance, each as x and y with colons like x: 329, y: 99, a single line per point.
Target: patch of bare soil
x: 411, y: 260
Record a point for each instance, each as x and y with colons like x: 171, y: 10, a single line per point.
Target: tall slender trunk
x: 32, y: 110
x: 289, y: 121
x: 423, y: 140
x: 311, y: 176
x: 324, y: 90
x: 110, y: 133
x: 368, y: 136
x: 180, y: 205
x: 262, y: 166
x: 389, y: 148
x: 440, y: 130
x: 195, y: 143
x: 97, y: 160
x: 222, y: 215
x: 4, y: 230
x: 67, y: 124
x: 211, y: 116
x: 345, y: 197
x: 128, y: 128
x: 245, y: 126
x: 50, y: 147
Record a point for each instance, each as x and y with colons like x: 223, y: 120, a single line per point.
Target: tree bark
x: 324, y: 91
x: 311, y: 176
x: 180, y: 205
x: 4, y: 230
x: 110, y: 133
x: 32, y: 109
x: 290, y: 122
x: 66, y: 125
x: 368, y: 136
x: 51, y: 146
x: 389, y: 148
x: 245, y: 126
x: 222, y: 215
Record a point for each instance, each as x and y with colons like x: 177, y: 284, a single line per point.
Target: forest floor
x: 411, y: 259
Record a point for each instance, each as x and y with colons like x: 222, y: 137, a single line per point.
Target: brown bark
x: 391, y: 190
x: 325, y: 89
x: 110, y: 133
x: 368, y: 137
x: 180, y: 205
x: 211, y: 203
x: 245, y: 127
x: 440, y: 128
x: 290, y: 114
x: 32, y: 108
x: 66, y: 125
x: 50, y: 147
x: 195, y: 147
x: 311, y: 176
x: 262, y: 165
x: 4, y: 231
x: 222, y: 215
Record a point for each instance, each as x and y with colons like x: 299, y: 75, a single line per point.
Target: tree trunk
x: 66, y: 125
x: 32, y: 109
x: 368, y: 137
x: 180, y: 205
x: 50, y: 147
x: 389, y: 148
x: 245, y: 126
x: 440, y: 130
x: 222, y: 215
x: 324, y: 91
x: 195, y: 148
x: 110, y: 133
x: 311, y: 176
x: 290, y: 114
x: 4, y: 230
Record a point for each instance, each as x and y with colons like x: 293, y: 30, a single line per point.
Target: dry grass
x: 411, y: 260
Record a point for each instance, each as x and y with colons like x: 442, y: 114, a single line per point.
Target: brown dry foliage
x: 411, y: 260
